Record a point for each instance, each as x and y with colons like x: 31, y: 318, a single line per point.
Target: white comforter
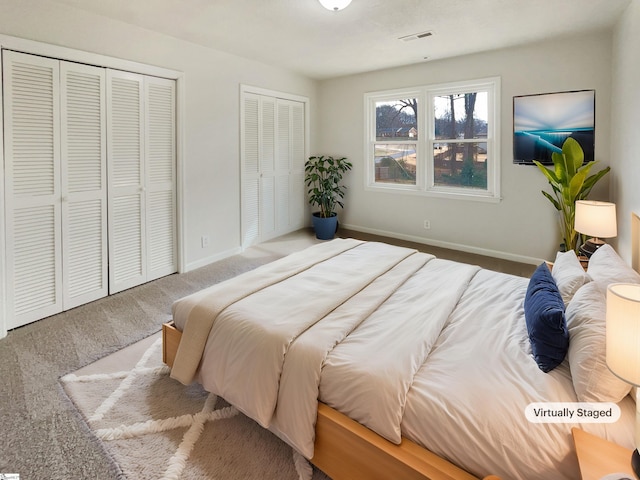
x: 400, y: 341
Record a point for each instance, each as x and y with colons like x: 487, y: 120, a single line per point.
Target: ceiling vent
x: 416, y: 36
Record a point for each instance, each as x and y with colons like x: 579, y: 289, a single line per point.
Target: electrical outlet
x: 205, y: 241
x: 427, y: 224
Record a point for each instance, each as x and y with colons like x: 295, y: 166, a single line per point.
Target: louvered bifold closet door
x: 290, y: 189
x: 160, y: 156
x: 258, y: 168
x: 84, y: 183
x: 273, y: 151
x: 297, y: 192
x: 32, y: 187
x: 125, y: 172
x: 283, y: 167
x: 250, y: 169
x: 268, y: 168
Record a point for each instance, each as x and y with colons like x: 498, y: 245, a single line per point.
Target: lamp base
x: 635, y: 463
x: 589, y: 247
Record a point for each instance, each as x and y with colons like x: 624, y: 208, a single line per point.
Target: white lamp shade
x: 623, y: 331
x: 596, y: 219
x: 335, y: 5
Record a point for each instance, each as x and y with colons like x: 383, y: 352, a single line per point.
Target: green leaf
x: 552, y: 200
x: 559, y: 166
x: 576, y: 183
x: 551, y: 176
x: 591, y: 181
x: 573, y: 153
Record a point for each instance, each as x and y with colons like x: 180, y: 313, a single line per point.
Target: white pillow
x: 592, y: 379
x: 606, y: 267
x: 568, y: 274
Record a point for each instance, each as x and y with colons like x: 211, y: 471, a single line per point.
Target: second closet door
x: 273, y: 148
x: 141, y: 171
x: 160, y: 177
x: 125, y: 146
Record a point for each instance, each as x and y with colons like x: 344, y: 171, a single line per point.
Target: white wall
x: 211, y: 107
x: 524, y: 224
x: 625, y: 119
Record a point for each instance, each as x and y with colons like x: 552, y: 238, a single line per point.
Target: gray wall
x: 524, y: 224
x: 211, y: 108
x: 625, y: 119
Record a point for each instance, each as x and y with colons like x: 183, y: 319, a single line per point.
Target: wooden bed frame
x: 344, y: 449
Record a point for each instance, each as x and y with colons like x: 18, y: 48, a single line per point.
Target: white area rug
x: 156, y: 428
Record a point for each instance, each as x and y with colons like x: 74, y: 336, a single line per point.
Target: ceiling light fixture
x: 335, y: 5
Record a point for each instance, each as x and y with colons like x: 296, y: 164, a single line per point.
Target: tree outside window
x: 459, y: 157
x: 440, y: 140
x: 395, y: 151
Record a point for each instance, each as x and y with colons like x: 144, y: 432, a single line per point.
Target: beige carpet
x: 155, y: 428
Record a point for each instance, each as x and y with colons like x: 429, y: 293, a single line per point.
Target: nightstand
x: 598, y: 457
x: 584, y: 261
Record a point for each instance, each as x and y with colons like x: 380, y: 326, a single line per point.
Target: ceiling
x: 302, y: 36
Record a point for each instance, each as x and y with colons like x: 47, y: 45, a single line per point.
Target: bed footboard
x: 344, y: 449
x: 170, y: 341
x: 368, y: 456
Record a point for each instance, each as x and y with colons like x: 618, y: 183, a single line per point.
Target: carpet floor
x: 43, y: 435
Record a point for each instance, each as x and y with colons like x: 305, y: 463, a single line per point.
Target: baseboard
x: 203, y: 262
x: 452, y: 246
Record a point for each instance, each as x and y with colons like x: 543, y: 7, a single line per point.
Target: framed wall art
x: 541, y: 124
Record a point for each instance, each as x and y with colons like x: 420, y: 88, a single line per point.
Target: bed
x: 423, y: 366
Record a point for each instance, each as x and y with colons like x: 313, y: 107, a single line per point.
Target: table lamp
x: 623, y: 344
x: 597, y: 220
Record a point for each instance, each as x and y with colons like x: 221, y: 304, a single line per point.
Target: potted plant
x: 570, y: 181
x: 323, y: 175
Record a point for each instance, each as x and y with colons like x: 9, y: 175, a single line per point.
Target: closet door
x: 250, y: 169
x: 32, y: 187
x: 273, y: 148
x: 290, y: 192
x: 297, y: 190
x: 160, y: 149
x: 90, y: 183
x: 258, y: 169
x: 126, y: 196
x: 84, y: 184
x: 141, y: 164
x: 283, y: 168
x: 268, y: 169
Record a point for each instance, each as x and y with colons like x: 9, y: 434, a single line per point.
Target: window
x: 436, y: 140
x: 396, y: 140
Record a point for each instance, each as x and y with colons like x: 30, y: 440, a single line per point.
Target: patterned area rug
x: 156, y: 428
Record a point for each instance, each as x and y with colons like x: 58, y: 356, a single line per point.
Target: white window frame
x: 425, y: 184
x: 371, y: 140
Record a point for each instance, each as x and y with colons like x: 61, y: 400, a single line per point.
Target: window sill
x: 485, y: 197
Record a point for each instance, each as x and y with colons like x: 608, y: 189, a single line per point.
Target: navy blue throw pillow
x: 546, y: 323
